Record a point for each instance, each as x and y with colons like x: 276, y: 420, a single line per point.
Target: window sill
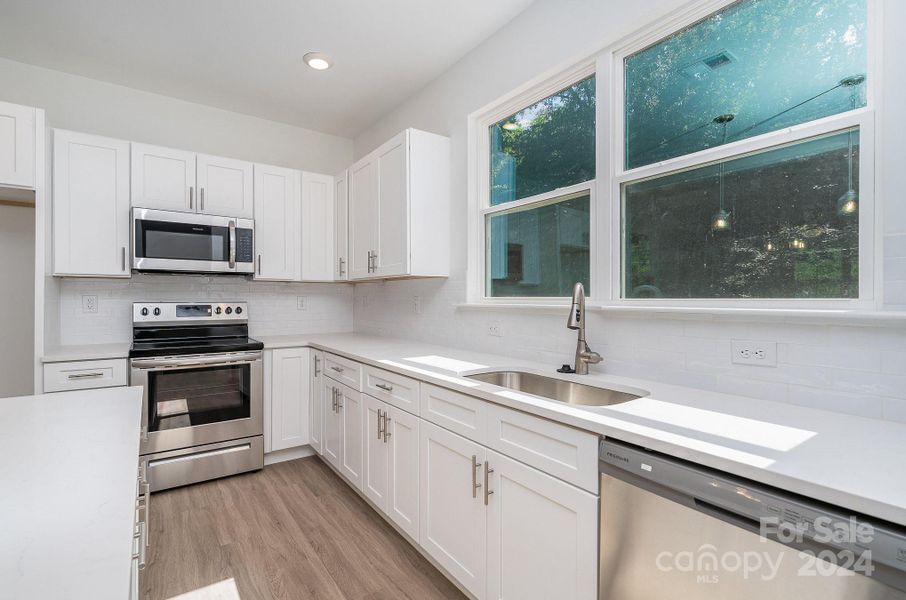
x: 864, y: 317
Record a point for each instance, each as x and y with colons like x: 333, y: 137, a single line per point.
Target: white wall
x: 859, y: 370
x: 91, y: 106
x: 17, y: 299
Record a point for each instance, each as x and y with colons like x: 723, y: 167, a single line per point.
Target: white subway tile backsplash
x: 272, y: 306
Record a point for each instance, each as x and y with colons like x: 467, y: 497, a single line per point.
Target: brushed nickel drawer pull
x: 384, y: 386
x: 380, y: 423
x: 85, y: 375
x: 487, y: 490
x: 337, y: 369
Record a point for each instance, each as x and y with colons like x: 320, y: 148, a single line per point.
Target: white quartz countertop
x: 55, y: 354
x: 68, y: 468
x: 849, y: 461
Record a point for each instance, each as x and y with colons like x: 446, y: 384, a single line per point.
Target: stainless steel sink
x: 557, y: 389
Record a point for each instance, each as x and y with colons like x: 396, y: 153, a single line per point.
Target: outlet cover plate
x: 753, y: 352
x: 89, y: 304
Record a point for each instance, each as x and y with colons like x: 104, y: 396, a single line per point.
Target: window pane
x: 769, y: 64
x: 790, y: 227
x: 546, y: 146
x: 540, y: 251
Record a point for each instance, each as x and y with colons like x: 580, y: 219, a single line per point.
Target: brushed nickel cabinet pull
x: 336, y: 368
x: 383, y: 386
x: 124, y: 258
x: 84, y: 375
x: 380, y: 423
x: 386, y: 426
x: 475, y: 484
x: 317, y: 359
x: 201, y: 198
x: 191, y: 198
x: 487, y: 491
x: 342, y: 271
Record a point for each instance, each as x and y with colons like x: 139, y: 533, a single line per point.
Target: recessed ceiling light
x: 317, y: 61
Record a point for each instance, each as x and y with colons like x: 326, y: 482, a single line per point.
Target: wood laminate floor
x: 294, y: 530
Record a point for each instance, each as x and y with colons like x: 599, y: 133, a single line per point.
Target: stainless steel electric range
x: 204, y: 389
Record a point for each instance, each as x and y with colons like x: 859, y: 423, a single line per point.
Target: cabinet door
x: 352, y: 429
x: 17, y: 145
x: 393, y: 207
x: 163, y: 178
x: 290, y: 398
x: 362, y: 217
x: 316, y: 413
x: 225, y: 187
x: 317, y: 227
x: 541, y: 533
x: 402, y: 443
x: 451, y: 508
x: 90, y: 205
x: 341, y: 228
x: 332, y: 431
x: 277, y: 200
x: 376, y: 469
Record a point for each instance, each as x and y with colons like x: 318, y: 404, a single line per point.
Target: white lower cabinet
x: 290, y: 397
x: 316, y: 406
x: 390, y: 470
x: 351, y: 427
x: 332, y: 432
x: 453, y: 523
x: 542, y: 535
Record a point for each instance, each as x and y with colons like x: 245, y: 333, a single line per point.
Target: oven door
x: 201, y: 399
x: 173, y: 241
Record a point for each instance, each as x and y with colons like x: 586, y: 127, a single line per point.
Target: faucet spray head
x: 578, y: 307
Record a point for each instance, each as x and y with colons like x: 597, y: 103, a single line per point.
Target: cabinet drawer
x: 343, y: 370
x: 457, y: 412
x: 83, y: 375
x: 561, y: 451
x: 397, y: 390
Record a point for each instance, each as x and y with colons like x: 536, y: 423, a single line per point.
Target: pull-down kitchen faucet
x: 576, y: 320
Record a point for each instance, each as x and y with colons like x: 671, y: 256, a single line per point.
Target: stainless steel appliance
x: 673, y: 529
x: 203, y: 401
x: 174, y: 241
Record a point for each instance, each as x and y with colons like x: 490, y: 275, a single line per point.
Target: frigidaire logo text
x: 618, y: 457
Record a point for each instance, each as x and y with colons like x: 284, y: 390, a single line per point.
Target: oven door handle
x: 211, y: 360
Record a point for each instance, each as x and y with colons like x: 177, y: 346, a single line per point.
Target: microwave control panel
x: 245, y: 247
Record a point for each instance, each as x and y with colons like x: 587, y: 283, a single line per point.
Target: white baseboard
x: 289, y: 454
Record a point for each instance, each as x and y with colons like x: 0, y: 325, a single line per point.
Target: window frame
x: 612, y: 60
x: 480, y: 133
x: 606, y: 199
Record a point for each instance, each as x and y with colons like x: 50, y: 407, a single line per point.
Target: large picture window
x: 537, y: 213
x: 740, y: 163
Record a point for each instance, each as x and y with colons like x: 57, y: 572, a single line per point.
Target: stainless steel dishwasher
x: 671, y: 529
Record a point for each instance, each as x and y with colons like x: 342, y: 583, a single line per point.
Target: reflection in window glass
x: 546, y: 146
x: 769, y: 64
x: 541, y: 251
x: 789, y: 226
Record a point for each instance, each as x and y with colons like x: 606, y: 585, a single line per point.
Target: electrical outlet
x: 749, y: 352
x: 302, y: 302
x: 417, y: 304
x: 89, y: 304
x: 495, y: 330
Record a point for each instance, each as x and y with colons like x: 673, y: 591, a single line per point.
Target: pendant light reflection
x: 721, y: 219
x: 510, y: 125
x: 770, y: 246
x: 797, y: 244
x: 848, y: 203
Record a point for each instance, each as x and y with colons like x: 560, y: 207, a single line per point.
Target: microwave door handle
x: 232, y: 244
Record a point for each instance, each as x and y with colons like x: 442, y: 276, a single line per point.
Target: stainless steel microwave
x: 173, y: 241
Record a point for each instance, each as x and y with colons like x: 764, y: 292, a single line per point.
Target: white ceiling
x: 246, y: 56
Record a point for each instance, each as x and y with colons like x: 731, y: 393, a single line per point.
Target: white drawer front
x: 457, y: 412
x: 343, y: 370
x: 561, y: 451
x: 83, y: 375
x: 396, y: 390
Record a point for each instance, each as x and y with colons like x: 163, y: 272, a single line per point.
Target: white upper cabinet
x: 163, y: 178
x: 362, y: 217
x: 277, y: 200
x: 290, y: 398
x: 170, y: 179
x: 224, y: 187
x: 341, y: 227
x: 317, y: 227
x: 90, y: 205
x: 399, y: 209
x: 17, y: 145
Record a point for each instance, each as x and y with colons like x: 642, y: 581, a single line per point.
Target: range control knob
x: 238, y: 310
x: 218, y: 310
x: 229, y: 310
x: 145, y: 312
x: 156, y: 312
